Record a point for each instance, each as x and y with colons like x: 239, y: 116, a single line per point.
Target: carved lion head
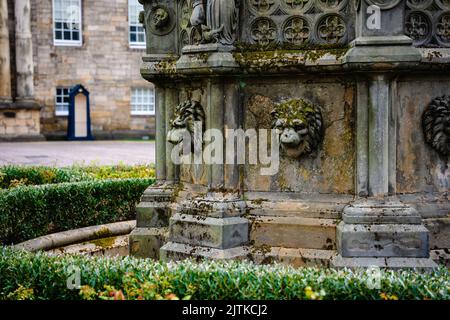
x: 300, y: 126
x: 436, y: 125
x: 185, y: 117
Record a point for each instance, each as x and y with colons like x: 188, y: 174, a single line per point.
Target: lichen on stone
x: 259, y: 58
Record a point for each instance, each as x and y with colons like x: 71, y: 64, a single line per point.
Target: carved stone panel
x: 428, y: 22
x: 208, y: 21
x: 297, y: 22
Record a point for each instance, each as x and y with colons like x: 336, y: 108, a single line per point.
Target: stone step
x: 423, y: 264
x: 209, y: 232
x: 293, y: 232
x: 296, y: 208
x: 383, y: 240
x: 173, y: 251
x: 294, y: 257
x: 287, y: 256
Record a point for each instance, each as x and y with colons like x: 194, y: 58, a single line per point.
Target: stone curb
x: 65, y: 238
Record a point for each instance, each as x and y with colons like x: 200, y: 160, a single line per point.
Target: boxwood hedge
x: 27, y: 212
x: 25, y: 275
x: 16, y: 176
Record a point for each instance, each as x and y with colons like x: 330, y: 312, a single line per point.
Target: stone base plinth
x: 388, y: 263
x: 152, y: 224
x: 384, y: 240
x: 377, y: 230
x: 147, y: 242
x: 218, y: 233
x: 178, y: 251
x: 210, y: 227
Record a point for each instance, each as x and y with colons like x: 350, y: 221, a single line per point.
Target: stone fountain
x: 355, y: 96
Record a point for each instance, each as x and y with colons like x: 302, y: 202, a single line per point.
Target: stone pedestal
x: 208, y: 226
x: 382, y: 233
x: 152, y: 216
x: 335, y: 91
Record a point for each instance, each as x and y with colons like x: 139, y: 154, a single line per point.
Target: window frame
x: 59, y: 113
x: 135, y: 44
x: 67, y: 43
x: 141, y: 112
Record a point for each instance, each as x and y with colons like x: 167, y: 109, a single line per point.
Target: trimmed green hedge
x: 28, y: 212
x: 41, y: 276
x: 16, y: 176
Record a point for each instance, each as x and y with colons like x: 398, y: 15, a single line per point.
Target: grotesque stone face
x: 160, y: 18
x: 299, y: 125
x: 185, y: 117
x: 436, y: 125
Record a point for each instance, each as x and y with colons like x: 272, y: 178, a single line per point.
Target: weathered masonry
x: 359, y: 92
x: 19, y: 115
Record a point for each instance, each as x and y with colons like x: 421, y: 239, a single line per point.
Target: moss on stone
x: 295, y: 109
x: 104, y: 242
x: 103, y: 233
x: 272, y: 57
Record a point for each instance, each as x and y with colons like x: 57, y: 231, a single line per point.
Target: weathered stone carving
x: 428, y: 22
x: 443, y: 4
x: 216, y: 21
x: 160, y: 20
x: 185, y: 117
x: 263, y: 31
x: 297, y: 5
x: 330, y: 5
x: 385, y: 4
x: 300, y: 126
x: 198, y: 16
x: 331, y: 29
x: 297, y: 22
x: 443, y: 29
x: 418, y: 26
x: 297, y: 30
x: 436, y: 125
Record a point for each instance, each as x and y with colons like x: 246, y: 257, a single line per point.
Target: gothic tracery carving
x: 428, y: 22
x: 297, y: 22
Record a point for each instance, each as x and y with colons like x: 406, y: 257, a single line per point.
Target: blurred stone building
x: 48, y: 46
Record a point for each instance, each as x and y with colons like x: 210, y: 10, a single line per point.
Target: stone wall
x: 19, y: 124
x: 104, y: 64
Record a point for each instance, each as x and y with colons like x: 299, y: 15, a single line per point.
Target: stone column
x: 171, y: 101
x: 153, y: 212
x: 24, y: 53
x: 378, y: 229
x: 160, y: 134
x: 5, y: 70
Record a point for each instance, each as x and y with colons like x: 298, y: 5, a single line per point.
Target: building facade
x: 98, y: 44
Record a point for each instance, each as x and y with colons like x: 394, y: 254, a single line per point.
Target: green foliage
x: 42, y: 276
x: 120, y: 172
x: 28, y: 212
x: 16, y: 176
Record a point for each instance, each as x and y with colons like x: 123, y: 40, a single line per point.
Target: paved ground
x: 65, y: 153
